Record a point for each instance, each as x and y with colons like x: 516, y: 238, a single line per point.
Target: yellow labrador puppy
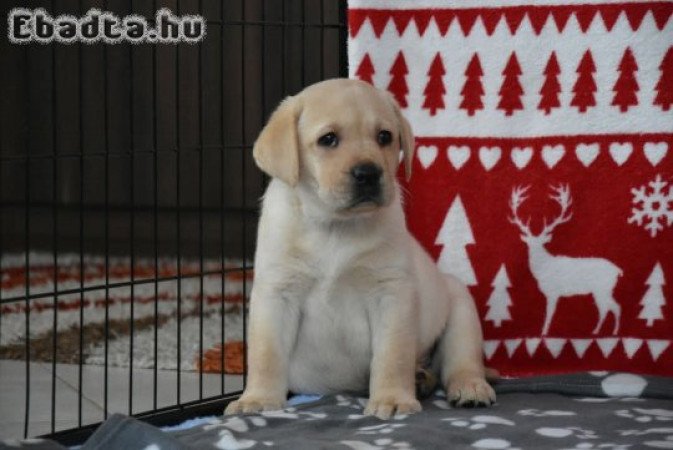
x: 345, y: 299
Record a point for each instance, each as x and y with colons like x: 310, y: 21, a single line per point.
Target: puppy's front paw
x: 384, y: 406
x: 469, y: 390
x: 251, y: 403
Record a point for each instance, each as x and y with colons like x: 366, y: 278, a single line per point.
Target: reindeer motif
x: 564, y: 276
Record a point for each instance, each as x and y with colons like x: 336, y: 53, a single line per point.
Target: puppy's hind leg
x: 459, y: 353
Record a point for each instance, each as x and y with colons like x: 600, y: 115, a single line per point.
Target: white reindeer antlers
x: 518, y: 197
x: 560, y: 194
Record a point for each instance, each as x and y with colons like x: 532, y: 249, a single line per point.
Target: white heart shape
x: 489, y: 156
x: 551, y: 155
x: 587, y: 153
x: 521, y: 156
x: 655, y: 152
x: 458, y: 156
x: 620, y: 152
x: 427, y: 155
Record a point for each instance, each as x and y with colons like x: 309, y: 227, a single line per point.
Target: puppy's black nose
x: 367, y: 174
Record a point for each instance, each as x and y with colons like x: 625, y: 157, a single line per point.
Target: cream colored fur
x: 345, y: 299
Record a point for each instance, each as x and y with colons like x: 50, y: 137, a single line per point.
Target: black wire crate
x: 128, y: 208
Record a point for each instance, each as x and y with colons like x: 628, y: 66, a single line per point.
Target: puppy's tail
x: 426, y: 382
x: 492, y: 374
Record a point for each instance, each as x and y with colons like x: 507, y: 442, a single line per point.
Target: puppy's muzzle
x: 366, y: 183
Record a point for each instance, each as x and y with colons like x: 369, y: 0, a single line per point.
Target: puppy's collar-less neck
x: 315, y: 216
x: 344, y: 223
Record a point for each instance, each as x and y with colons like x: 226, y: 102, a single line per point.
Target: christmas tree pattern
x: 455, y: 234
x: 664, y: 86
x: 366, y: 69
x: 511, y: 90
x: 434, y: 90
x: 472, y: 89
x: 585, y: 86
x: 653, y: 300
x: 626, y: 86
x: 551, y: 87
x: 499, y: 301
x: 398, y: 83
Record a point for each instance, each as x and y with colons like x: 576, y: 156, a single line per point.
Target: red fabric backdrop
x: 546, y: 99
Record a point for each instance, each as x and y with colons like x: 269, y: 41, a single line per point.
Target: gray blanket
x: 570, y: 412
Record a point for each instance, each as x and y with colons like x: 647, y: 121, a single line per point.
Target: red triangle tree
x: 664, y: 87
x: 550, y: 88
x: 365, y: 70
x: 472, y: 89
x: 435, y: 90
x: 398, y: 83
x: 511, y: 90
x: 626, y: 86
x: 585, y: 86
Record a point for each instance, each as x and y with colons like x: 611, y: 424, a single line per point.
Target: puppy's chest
x: 341, y: 291
x: 340, y: 294
x: 333, y: 347
x: 335, y: 270
x: 335, y: 312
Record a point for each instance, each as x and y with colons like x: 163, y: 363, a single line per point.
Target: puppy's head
x: 338, y: 142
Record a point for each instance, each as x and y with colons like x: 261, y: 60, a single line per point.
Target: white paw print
x: 442, y: 404
x: 229, y: 441
x: 357, y: 403
x: 379, y: 444
x: 258, y: 421
x: 478, y: 422
x: 493, y: 443
x: 541, y: 413
x: 645, y: 415
x: 389, y: 443
x: 605, y: 445
x: 279, y: 414
x: 608, y: 399
x: 577, y: 432
x: 346, y: 402
x: 384, y: 428
x: 662, y: 437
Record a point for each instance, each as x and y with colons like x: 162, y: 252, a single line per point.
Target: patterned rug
x: 210, y: 311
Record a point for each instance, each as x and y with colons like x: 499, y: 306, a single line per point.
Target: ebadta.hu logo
x: 37, y: 25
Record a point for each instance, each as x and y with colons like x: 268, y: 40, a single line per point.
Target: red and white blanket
x: 544, y: 168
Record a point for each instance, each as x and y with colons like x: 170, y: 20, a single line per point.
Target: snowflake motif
x: 653, y: 207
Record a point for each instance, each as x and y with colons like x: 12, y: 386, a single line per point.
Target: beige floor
x: 13, y: 392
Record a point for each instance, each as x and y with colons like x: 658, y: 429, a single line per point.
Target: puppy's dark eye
x: 328, y: 140
x: 385, y: 137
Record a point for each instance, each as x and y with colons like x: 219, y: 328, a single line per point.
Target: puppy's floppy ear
x: 276, y: 150
x: 407, y: 143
